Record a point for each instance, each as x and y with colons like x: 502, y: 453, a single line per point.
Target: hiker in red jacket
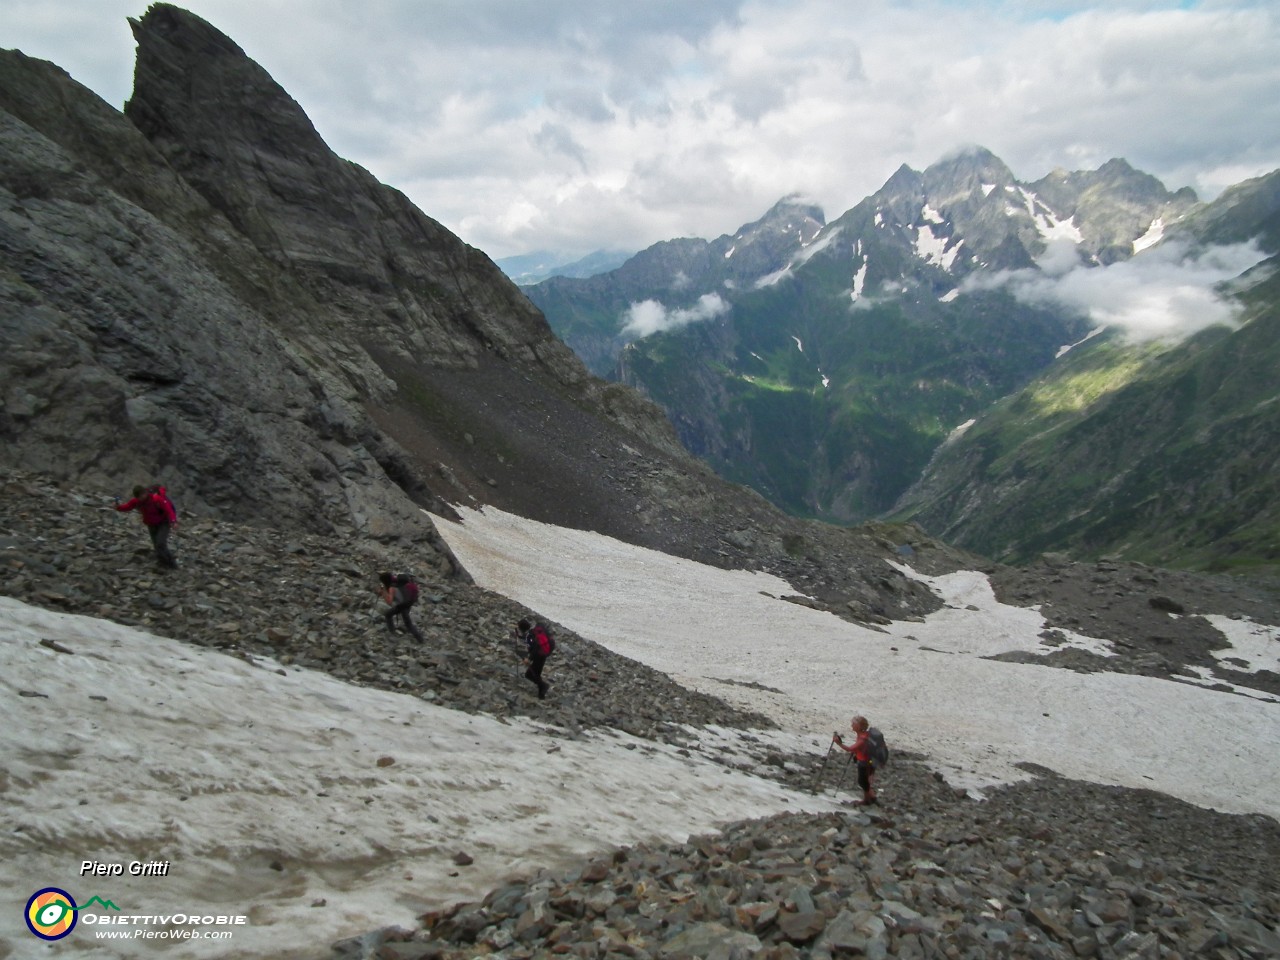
x: 159, y: 516
x: 401, y: 592
x: 861, y: 750
x: 539, y: 645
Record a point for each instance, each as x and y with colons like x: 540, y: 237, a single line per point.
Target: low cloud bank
x: 650, y: 316
x: 1166, y: 293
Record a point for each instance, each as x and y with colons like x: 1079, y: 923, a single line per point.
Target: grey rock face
x: 139, y: 341
x: 223, y: 305
x: 200, y: 292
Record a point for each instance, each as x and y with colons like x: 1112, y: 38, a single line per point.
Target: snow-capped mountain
x: 826, y: 373
x: 594, y: 315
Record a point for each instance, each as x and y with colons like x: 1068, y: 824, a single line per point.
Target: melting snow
x: 931, y: 683
x: 1048, y: 225
x: 266, y: 790
x: 1251, y: 646
x: 1149, y: 239
x: 860, y: 279
x: 261, y: 784
x: 933, y: 249
x: 1070, y: 346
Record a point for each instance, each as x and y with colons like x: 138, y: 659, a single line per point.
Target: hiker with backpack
x: 870, y: 752
x: 401, y: 592
x: 540, y: 644
x: 159, y: 516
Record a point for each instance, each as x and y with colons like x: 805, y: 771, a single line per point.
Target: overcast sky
x: 576, y: 125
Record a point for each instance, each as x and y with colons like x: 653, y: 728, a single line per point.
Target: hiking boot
x: 543, y: 687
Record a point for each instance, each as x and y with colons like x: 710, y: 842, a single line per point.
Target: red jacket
x: 861, y: 748
x: 154, y: 506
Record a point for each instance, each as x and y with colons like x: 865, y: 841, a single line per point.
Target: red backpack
x: 408, y: 586
x: 543, y: 642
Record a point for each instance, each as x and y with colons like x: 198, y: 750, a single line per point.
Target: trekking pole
x: 844, y: 772
x: 817, y: 777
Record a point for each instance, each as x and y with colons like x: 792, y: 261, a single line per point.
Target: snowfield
x: 318, y: 810
x: 925, y: 684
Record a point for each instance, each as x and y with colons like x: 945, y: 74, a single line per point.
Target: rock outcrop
x: 199, y: 291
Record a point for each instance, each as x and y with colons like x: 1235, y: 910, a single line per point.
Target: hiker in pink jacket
x: 159, y: 516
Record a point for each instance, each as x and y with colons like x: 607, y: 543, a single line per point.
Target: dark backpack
x: 544, y: 644
x: 879, y: 749
x: 408, y: 587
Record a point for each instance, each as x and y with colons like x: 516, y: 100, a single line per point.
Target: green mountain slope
x: 828, y: 385
x: 1165, y: 453
x: 831, y: 412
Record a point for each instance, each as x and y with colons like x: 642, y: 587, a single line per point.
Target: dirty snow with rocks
x: 928, y: 685
x: 316, y: 810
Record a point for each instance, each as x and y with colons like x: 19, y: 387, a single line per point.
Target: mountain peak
x: 962, y: 173
x: 792, y: 217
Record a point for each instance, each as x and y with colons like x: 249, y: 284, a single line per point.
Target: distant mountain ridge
x: 590, y: 314
x: 845, y: 352
x: 528, y: 268
x: 1162, y: 452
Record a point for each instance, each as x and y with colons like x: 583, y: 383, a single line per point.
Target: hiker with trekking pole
x: 539, y: 644
x: 868, y: 751
x: 159, y: 517
x: 400, y: 591
x: 862, y: 751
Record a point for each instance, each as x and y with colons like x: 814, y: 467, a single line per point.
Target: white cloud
x: 625, y: 124
x: 1163, y: 293
x: 649, y: 316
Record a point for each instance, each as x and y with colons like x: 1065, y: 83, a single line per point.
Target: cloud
x: 1166, y: 293
x: 620, y: 125
x: 649, y: 316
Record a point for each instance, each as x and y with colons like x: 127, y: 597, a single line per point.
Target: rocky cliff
x: 197, y: 290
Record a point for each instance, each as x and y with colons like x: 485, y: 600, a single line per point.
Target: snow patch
x: 1067, y: 348
x: 139, y: 747
x: 933, y: 249
x: 1252, y: 646
x: 860, y: 279
x: 931, y: 683
x: 1154, y: 234
x: 1047, y: 223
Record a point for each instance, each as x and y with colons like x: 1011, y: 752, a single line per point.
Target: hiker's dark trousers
x: 401, y: 610
x: 866, y: 770
x: 534, y: 672
x: 160, y: 540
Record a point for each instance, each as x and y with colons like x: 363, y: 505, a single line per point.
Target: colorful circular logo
x: 51, y: 913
